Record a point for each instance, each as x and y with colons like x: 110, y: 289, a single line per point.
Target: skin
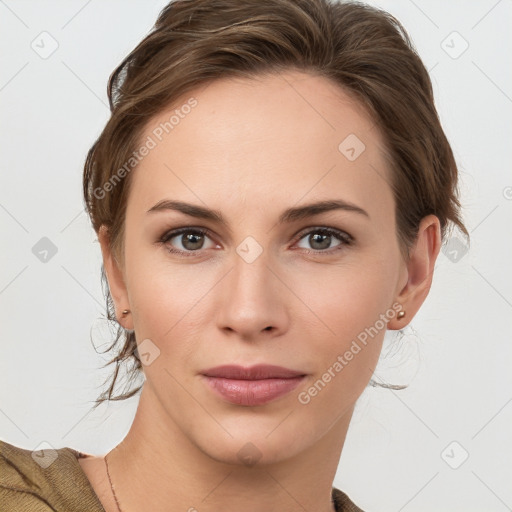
x: 251, y: 149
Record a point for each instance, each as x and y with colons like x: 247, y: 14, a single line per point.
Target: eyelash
x: 344, y: 238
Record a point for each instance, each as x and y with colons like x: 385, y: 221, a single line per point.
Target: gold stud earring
x: 400, y: 315
x: 125, y: 312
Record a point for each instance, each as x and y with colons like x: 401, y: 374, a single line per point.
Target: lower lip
x: 252, y: 392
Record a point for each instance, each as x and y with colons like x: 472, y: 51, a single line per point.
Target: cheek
x: 168, y: 306
x: 344, y: 299
x: 348, y: 352
x: 164, y: 304
x: 346, y: 317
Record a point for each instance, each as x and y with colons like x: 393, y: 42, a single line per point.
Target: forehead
x: 283, y: 136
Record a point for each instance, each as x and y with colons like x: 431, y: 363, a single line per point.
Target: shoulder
x: 43, y: 480
x: 343, y: 503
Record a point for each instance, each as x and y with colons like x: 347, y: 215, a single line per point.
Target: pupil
x: 192, y: 241
x: 320, y: 238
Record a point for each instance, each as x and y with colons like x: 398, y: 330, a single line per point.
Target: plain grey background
x: 442, y: 444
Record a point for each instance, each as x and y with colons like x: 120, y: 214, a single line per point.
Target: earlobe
x: 116, y: 282
x: 419, y: 270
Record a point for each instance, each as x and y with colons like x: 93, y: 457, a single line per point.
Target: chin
x: 251, y: 447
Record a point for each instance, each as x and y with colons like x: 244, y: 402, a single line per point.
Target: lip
x: 257, y: 372
x: 250, y: 386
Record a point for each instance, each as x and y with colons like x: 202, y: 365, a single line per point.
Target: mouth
x: 251, y: 386
x: 257, y: 372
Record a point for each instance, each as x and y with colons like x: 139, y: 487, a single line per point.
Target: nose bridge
x: 251, y: 276
x: 251, y: 299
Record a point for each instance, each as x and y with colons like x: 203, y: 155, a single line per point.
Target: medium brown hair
x: 364, y: 50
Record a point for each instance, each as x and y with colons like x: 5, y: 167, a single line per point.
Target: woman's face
x: 272, y: 283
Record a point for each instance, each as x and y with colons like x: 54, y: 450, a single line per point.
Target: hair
x: 363, y: 49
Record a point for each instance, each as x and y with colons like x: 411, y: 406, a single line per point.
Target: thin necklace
x: 111, y: 486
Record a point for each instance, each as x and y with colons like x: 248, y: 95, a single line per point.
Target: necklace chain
x: 111, y: 486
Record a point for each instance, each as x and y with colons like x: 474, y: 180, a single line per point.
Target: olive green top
x: 53, y: 480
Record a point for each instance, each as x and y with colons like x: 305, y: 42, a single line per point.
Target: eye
x: 186, y: 241
x: 321, y: 240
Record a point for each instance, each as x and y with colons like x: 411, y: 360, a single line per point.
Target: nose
x: 253, y: 300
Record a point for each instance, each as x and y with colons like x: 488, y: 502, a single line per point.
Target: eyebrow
x: 289, y: 215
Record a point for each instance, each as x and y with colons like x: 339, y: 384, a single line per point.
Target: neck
x: 157, y: 464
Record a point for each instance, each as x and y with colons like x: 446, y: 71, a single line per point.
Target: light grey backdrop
x: 444, y: 443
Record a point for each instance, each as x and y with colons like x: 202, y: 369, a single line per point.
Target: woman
x: 270, y: 195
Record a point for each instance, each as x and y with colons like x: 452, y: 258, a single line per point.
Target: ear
x: 418, y: 270
x: 115, y: 277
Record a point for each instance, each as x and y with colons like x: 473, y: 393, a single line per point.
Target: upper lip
x: 260, y: 371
